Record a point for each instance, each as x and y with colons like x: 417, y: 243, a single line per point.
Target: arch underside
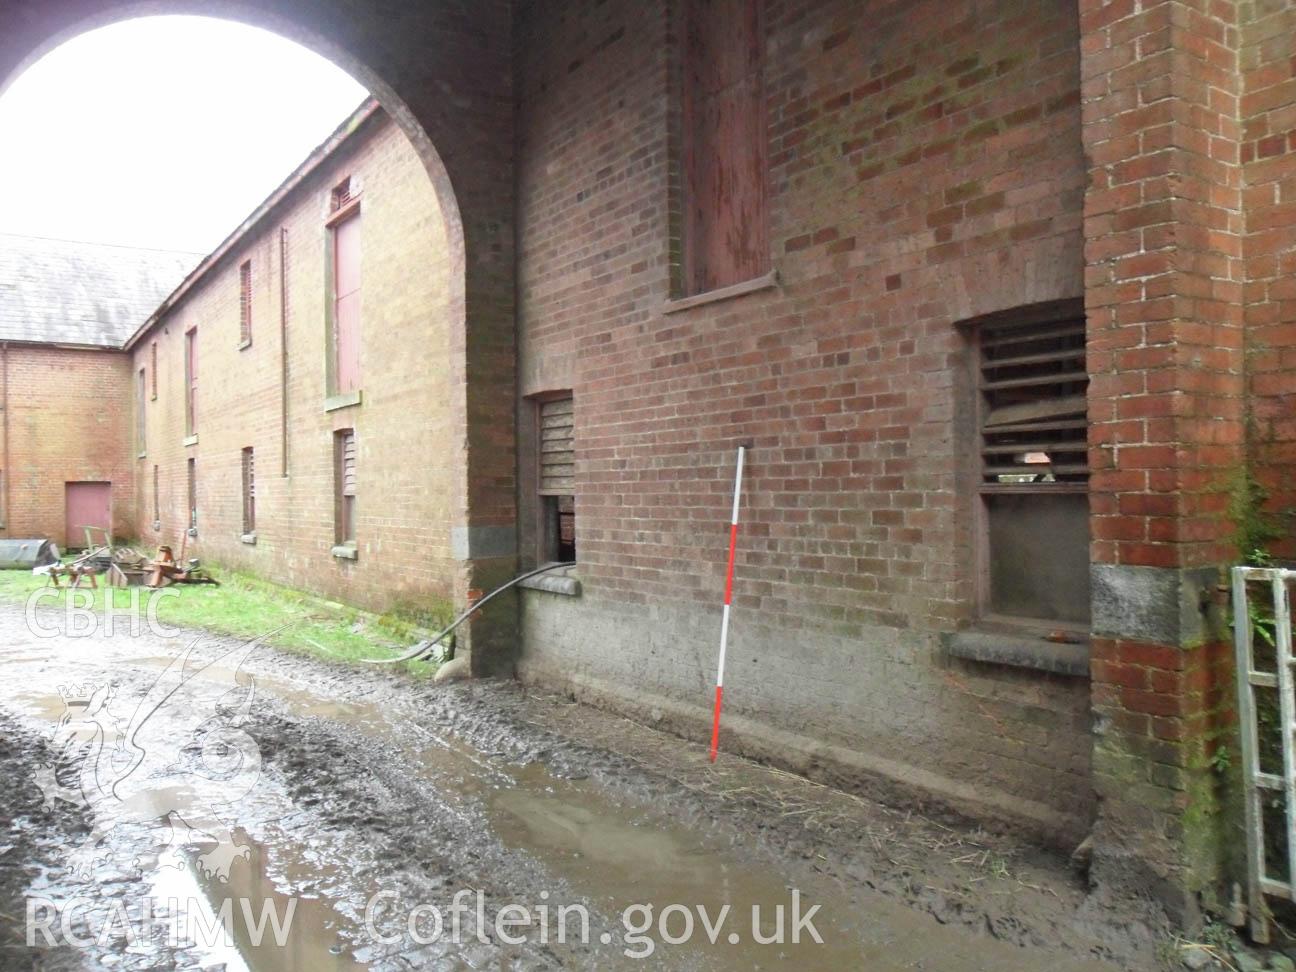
x: 452, y: 98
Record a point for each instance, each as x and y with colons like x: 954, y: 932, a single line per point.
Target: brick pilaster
x: 1163, y: 253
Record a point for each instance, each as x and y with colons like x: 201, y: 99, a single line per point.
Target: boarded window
x: 557, y: 475
x: 140, y: 418
x: 344, y: 448
x: 249, y: 490
x: 1034, y: 466
x: 192, y: 476
x: 245, y: 302
x: 726, y: 224
x: 346, y: 304
x: 191, y: 381
x: 153, y: 377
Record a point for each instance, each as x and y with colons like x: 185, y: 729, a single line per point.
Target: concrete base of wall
x: 885, y: 780
x: 863, y: 714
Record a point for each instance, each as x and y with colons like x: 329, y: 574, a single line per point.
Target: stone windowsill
x: 1019, y: 649
x: 343, y: 400
x: 764, y: 282
x: 563, y: 582
x: 345, y: 551
x: 249, y: 538
x: 190, y: 440
x: 245, y: 344
x: 157, y: 526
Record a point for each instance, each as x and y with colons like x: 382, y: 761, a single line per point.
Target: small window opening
x: 245, y: 302
x: 1034, y: 467
x: 344, y: 447
x: 341, y: 195
x: 192, y: 477
x: 557, y: 464
x: 249, y: 490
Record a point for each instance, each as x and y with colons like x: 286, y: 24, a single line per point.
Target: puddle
x: 244, y: 909
x: 622, y: 857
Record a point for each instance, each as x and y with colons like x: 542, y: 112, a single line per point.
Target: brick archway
x: 441, y: 70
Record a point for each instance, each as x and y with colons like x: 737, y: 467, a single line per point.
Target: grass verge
x: 247, y: 607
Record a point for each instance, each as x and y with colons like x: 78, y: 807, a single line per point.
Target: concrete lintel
x: 479, y: 542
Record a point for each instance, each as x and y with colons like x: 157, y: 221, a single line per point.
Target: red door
x: 88, y: 505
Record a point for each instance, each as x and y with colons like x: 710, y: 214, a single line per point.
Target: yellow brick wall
x: 402, y: 425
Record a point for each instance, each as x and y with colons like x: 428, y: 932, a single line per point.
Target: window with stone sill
x: 249, y: 491
x: 344, y: 487
x: 1032, y: 504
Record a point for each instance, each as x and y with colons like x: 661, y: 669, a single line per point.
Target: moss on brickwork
x: 1255, y: 528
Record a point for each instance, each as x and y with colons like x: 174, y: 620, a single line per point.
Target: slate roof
x: 61, y: 292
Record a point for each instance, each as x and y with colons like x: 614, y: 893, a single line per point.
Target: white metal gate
x: 1276, y: 630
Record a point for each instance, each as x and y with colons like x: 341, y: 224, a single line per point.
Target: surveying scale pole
x: 728, y: 598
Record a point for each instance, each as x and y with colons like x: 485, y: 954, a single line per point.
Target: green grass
x: 247, y: 607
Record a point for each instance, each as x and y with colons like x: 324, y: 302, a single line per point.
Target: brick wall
x: 66, y: 423
x: 1185, y: 237
x: 403, y: 424
x: 926, y: 167
x: 1268, y: 112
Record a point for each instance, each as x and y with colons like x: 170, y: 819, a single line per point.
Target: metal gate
x: 1274, y: 672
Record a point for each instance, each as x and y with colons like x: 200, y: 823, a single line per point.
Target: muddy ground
x: 339, y: 785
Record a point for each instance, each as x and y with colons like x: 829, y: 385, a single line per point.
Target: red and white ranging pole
x: 728, y: 600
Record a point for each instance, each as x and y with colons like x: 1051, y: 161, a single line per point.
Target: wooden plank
x: 1056, y: 446
x: 1035, y: 381
x: 559, y: 406
x: 1026, y: 411
x: 1038, y: 469
x: 997, y: 337
x: 1042, y: 425
x: 1062, y: 354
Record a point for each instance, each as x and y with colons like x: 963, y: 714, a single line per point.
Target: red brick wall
x: 926, y: 167
x: 1268, y: 111
x: 1164, y: 281
x: 67, y: 422
x: 403, y: 424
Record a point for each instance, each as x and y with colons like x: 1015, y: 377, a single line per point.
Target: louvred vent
x: 1033, y: 382
x: 348, y: 464
x: 557, y: 448
x: 341, y: 194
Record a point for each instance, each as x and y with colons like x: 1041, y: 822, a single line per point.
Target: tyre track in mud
x: 389, y: 783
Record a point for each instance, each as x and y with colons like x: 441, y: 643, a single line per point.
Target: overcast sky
x: 161, y: 132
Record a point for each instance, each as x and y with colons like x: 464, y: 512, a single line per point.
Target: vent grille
x: 341, y: 194
x: 1033, y: 420
x: 557, y: 448
x: 348, y: 451
x: 245, y: 301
